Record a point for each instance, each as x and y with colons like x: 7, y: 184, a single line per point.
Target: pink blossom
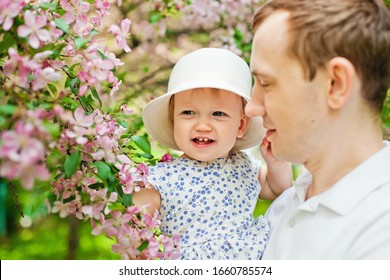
x: 40, y: 57
x: 121, y: 34
x: 93, y: 211
x: 54, y: 31
x: 62, y: 208
x: 97, y: 229
x: 127, y: 245
x: 19, y: 146
x: 170, y: 246
x: 79, y: 126
x: 126, y: 110
x: 103, y: 6
x: 126, y: 180
x: 81, y: 119
x: 122, y: 160
x: 43, y: 77
x: 27, y: 173
x: 166, y: 158
x: 133, y: 210
x: 76, y: 10
x: 108, y: 146
x: 23, y: 66
x: 117, y: 224
x: 142, y: 173
x: 115, y: 86
x: 151, y: 222
x: 153, y: 249
x: 33, y: 28
x: 114, y: 59
x: 8, y: 11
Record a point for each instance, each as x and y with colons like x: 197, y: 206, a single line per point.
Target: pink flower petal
x: 40, y: 22
x: 8, y: 22
x: 24, y: 31
x: 125, y: 26
x: 29, y: 18
x: 43, y: 35
x: 114, y: 29
x: 34, y: 41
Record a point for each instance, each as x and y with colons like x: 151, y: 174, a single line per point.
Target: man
x: 321, y: 70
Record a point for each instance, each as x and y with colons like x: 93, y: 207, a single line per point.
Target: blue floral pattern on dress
x: 211, y: 204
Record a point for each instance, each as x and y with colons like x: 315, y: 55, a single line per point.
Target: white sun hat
x: 203, y: 68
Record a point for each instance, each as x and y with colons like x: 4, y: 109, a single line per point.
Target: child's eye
x: 188, y: 112
x: 219, y: 114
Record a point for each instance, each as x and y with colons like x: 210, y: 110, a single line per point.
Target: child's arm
x: 275, y: 176
x: 149, y: 197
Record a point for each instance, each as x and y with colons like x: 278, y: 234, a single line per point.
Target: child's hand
x: 266, y: 153
x: 276, y: 176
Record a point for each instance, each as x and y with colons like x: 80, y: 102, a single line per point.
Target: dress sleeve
x: 156, y: 176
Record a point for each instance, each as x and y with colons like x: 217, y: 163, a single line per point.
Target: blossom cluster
x: 234, y: 18
x: 54, y: 75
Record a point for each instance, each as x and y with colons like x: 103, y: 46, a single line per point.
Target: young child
x: 208, y: 195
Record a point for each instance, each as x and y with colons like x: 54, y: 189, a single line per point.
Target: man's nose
x: 255, y: 106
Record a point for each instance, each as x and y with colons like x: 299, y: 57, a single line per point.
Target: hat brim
x: 155, y: 116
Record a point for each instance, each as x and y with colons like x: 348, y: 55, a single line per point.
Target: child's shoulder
x: 172, y: 164
x: 245, y: 157
x: 241, y: 155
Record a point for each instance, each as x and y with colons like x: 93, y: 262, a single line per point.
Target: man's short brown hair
x: 358, y: 30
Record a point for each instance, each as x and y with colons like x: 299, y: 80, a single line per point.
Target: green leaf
x: 7, y: 41
x: 52, y: 88
x: 53, y: 161
x: 96, y: 186
x: 68, y: 102
x: 57, y: 51
x: 72, y: 162
x: 102, y: 55
x: 74, y: 85
x: 114, y: 185
x: 80, y: 42
x: 104, y: 171
x: 84, y: 101
x: 123, y: 123
x: 96, y: 95
x: 116, y: 206
x: 142, y: 143
x: 48, y: 6
x: 69, y: 199
x: 143, y: 246
x: 8, y: 109
x: 61, y: 24
x: 146, y: 155
x: 93, y: 32
x: 155, y: 17
x: 53, y: 128
x: 127, y: 200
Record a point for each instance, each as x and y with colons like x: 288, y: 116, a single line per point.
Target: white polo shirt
x: 351, y: 220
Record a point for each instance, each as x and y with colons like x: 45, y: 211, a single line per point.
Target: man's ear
x: 243, y: 126
x: 342, y: 72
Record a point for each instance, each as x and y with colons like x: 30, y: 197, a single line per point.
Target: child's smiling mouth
x: 202, y: 140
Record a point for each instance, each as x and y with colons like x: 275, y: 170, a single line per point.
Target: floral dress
x: 210, y: 205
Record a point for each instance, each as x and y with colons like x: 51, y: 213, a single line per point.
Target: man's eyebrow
x: 257, y: 73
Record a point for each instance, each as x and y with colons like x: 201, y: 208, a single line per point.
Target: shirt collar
x: 352, y: 188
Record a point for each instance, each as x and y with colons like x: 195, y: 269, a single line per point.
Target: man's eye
x: 263, y: 84
x: 188, y: 112
x: 219, y: 114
